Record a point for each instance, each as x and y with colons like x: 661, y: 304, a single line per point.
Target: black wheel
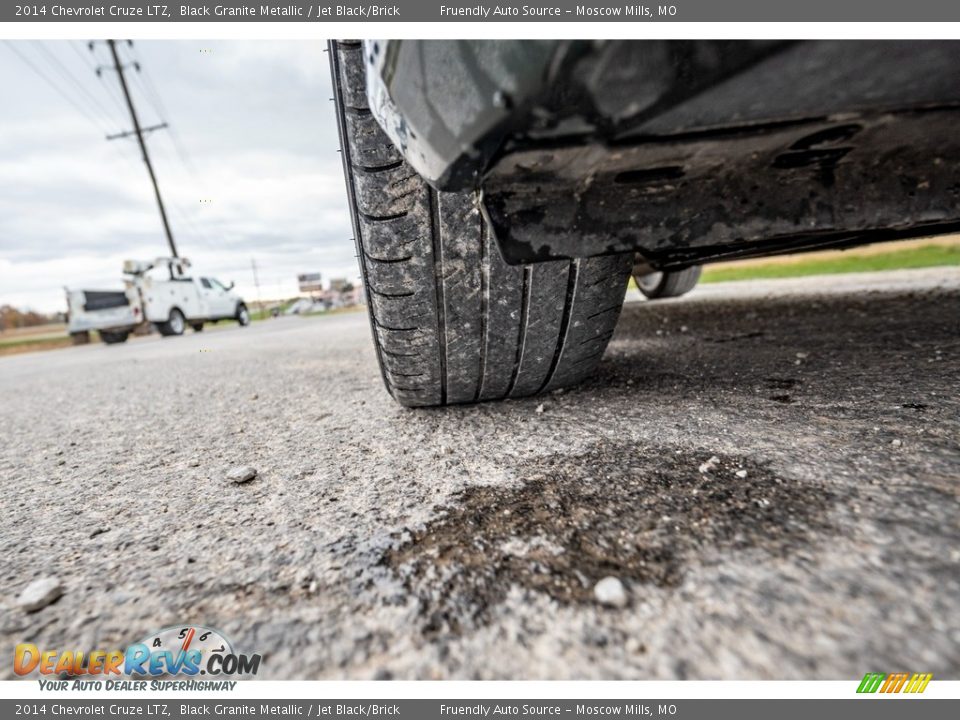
x: 656, y: 285
x: 175, y: 325
x: 243, y: 315
x: 452, y: 322
x: 112, y: 337
x: 197, y: 327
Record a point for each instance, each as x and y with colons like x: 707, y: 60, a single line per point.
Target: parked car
x: 503, y: 191
x: 162, y: 292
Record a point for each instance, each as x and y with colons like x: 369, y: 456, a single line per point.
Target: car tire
x: 114, y: 337
x: 452, y: 322
x: 243, y: 315
x: 658, y: 285
x: 175, y: 325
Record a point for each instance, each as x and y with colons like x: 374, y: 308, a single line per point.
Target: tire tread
x: 452, y: 322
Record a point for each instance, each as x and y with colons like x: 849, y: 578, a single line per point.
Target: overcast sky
x: 256, y: 175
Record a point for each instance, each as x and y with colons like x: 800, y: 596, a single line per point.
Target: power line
x: 151, y: 89
x: 152, y: 99
x: 148, y: 90
x: 83, y: 58
x: 143, y: 146
x: 90, y: 102
x: 145, y: 80
x: 71, y: 80
x: 110, y: 92
x: 56, y: 88
x: 188, y: 218
x: 84, y: 110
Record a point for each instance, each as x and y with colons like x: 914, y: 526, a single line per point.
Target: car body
x: 684, y: 151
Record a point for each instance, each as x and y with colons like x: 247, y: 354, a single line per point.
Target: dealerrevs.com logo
x: 174, y: 652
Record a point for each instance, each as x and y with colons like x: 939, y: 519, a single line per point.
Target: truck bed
x: 103, y: 310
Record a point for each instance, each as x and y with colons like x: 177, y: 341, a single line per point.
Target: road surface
x: 770, y: 470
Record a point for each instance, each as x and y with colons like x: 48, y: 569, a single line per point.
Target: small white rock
x: 610, y: 591
x: 741, y: 473
x: 241, y: 474
x: 897, y: 442
x: 709, y: 465
x: 540, y: 409
x: 40, y: 593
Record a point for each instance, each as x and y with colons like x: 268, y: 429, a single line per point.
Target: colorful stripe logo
x: 894, y: 682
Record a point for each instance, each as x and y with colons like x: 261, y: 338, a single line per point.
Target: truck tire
x: 657, y: 285
x: 113, y: 337
x: 452, y: 322
x: 243, y: 315
x: 175, y: 325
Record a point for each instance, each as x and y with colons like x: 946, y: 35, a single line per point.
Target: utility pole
x: 143, y: 145
x: 256, y: 281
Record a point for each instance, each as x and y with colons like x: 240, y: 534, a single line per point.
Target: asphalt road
x: 822, y: 542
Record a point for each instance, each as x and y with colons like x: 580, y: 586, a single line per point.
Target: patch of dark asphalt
x: 843, y: 355
x: 638, y: 514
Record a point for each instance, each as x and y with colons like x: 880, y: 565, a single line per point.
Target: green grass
x: 258, y: 315
x: 335, y: 311
x: 918, y: 257
x: 12, y: 345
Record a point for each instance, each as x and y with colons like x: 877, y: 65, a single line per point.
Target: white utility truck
x: 162, y: 292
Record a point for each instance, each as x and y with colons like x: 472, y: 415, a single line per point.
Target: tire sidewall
x: 177, y: 322
x: 651, y: 283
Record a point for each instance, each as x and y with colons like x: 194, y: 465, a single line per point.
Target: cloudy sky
x: 249, y: 169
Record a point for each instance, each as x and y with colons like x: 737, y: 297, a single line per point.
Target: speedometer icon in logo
x: 179, y: 640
